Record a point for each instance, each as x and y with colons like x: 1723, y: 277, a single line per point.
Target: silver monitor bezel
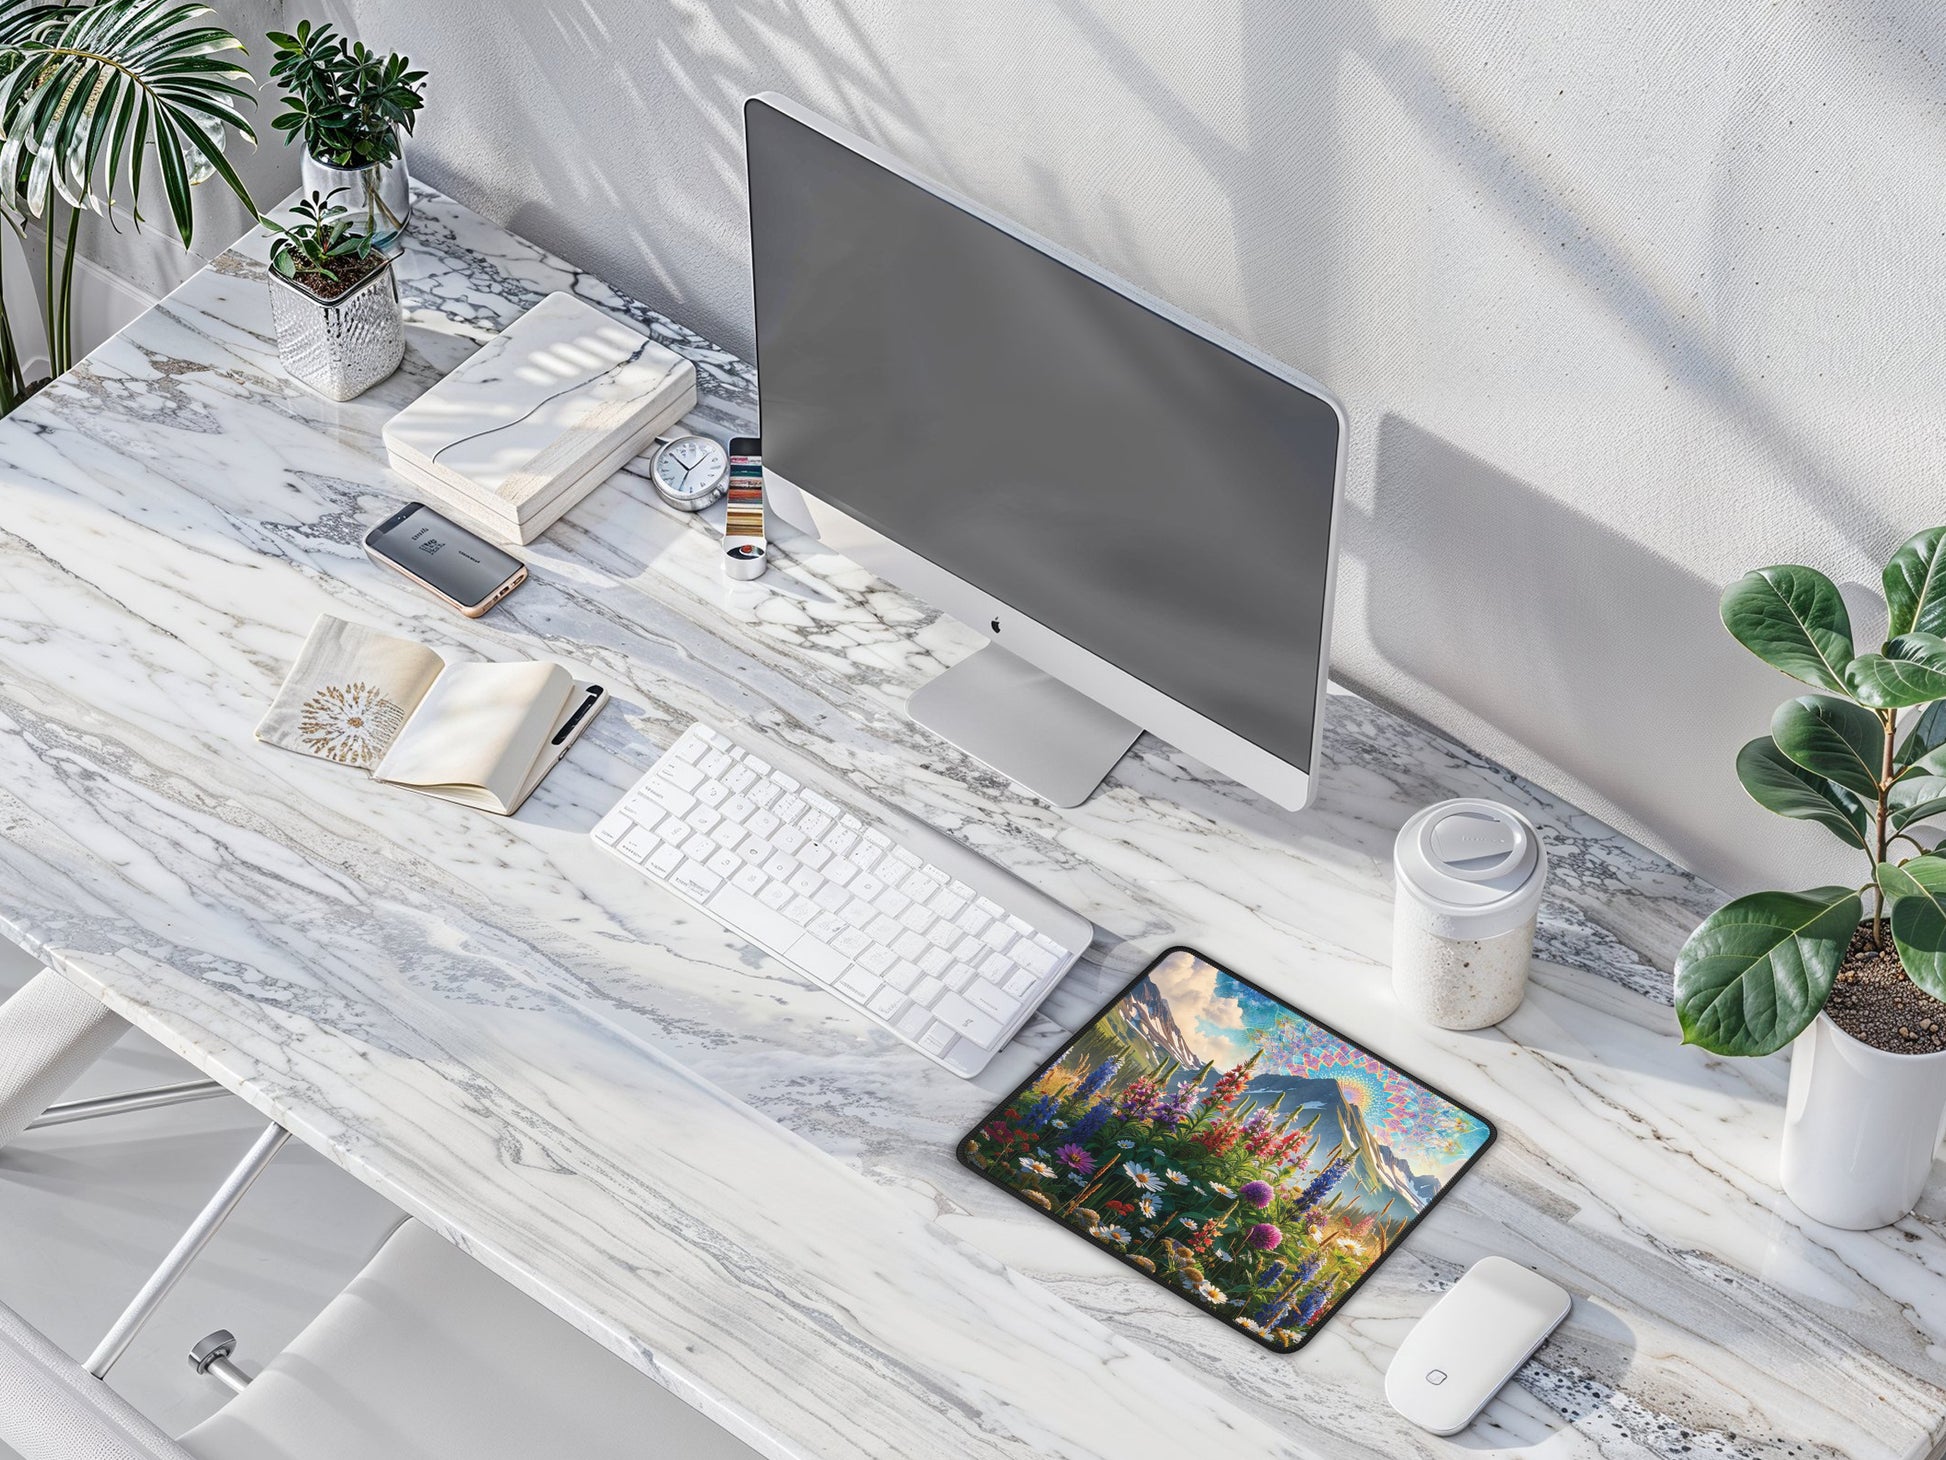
x: 1119, y: 690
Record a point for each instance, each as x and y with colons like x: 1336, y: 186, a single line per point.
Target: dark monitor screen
x: 1138, y: 489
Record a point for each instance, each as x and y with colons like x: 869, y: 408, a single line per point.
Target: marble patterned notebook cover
x: 1251, y: 1160
x: 540, y: 408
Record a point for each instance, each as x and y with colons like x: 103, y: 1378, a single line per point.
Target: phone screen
x: 442, y: 554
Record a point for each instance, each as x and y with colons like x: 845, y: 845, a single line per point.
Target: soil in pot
x: 351, y: 273
x: 1874, y: 1002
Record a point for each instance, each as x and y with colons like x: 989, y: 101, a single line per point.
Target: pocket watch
x: 689, y: 471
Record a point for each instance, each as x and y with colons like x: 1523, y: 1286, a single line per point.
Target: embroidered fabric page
x: 349, y: 694
x: 478, y: 731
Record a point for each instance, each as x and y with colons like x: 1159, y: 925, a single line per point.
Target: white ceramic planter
x: 1860, y: 1127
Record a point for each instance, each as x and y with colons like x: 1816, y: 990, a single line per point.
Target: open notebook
x: 480, y: 734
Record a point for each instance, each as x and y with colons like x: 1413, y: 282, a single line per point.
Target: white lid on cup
x: 1470, y: 869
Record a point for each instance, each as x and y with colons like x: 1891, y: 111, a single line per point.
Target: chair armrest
x: 51, y: 1408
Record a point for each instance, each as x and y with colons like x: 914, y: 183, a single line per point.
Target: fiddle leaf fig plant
x: 1865, y: 758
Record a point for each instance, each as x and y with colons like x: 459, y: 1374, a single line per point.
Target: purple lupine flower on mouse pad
x: 1273, y: 1162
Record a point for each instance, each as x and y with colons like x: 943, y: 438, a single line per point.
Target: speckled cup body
x: 1860, y: 1127
x: 1458, y: 983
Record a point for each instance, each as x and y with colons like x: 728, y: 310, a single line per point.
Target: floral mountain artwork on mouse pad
x: 1236, y: 1151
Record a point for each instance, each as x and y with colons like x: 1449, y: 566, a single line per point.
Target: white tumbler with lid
x: 1470, y: 875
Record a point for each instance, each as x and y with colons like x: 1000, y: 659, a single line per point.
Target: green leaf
x: 1792, y: 618
x: 1917, y: 900
x: 1777, y: 783
x: 1915, y: 585
x: 1913, y: 798
x: 1755, y: 974
x: 1832, y: 738
x: 1925, y: 735
x: 1911, y: 671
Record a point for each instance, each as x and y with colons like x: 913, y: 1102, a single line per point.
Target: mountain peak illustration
x: 1148, y: 1012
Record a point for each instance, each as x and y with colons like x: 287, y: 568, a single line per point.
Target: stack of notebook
x: 538, y: 418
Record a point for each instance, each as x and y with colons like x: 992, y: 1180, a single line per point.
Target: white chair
x: 424, y: 1356
x: 428, y: 1356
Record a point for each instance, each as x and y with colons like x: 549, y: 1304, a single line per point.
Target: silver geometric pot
x: 339, y: 347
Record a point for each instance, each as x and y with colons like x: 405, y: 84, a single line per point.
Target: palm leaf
x: 92, y: 95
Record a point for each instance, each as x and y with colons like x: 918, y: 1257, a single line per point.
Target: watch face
x: 690, y: 469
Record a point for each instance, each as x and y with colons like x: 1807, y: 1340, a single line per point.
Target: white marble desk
x: 712, y: 1166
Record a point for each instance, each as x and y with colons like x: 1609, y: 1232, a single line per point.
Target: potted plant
x: 1854, y: 975
x: 334, y: 299
x: 350, y: 106
x: 96, y: 100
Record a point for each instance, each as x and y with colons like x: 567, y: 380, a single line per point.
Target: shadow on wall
x: 1491, y: 593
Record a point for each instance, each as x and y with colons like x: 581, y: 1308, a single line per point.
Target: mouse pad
x: 1250, y: 1159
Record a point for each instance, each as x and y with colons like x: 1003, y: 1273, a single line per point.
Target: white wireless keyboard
x: 948, y: 951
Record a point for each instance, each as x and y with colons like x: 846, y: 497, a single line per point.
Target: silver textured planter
x: 379, y: 197
x: 339, y: 347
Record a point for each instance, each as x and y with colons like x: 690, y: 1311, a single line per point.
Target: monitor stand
x: 1024, y: 723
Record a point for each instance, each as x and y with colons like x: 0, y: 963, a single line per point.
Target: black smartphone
x: 459, y: 568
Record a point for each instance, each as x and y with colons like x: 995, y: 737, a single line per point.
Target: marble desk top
x: 711, y: 1165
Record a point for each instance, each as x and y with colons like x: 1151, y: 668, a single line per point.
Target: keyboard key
x: 670, y: 798
x: 883, y: 962
x: 756, y: 850
x: 958, y: 976
x: 963, y: 1018
x: 814, y: 856
x: 909, y: 945
x: 801, y: 910
x: 699, y: 848
x: 925, y: 990
x: 822, y: 804
x: 997, y: 1002
x: 827, y: 895
x: 948, y: 906
x: 763, y: 823
x: 739, y: 808
x: 1020, y: 982
x: 942, y: 935
x: 888, y: 900
x: 749, y: 879
x: 714, y: 764
x: 886, y: 1003
x: 756, y: 919
x: 972, y: 921
x: 913, y: 1021
x: 727, y: 835
x: 788, y: 839
x: 682, y: 776
x: 918, y: 886
x: 775, y: 895
x: 1030, y: 956
x: 690, y: 747
x: 789, y: 808
x: 883, y: 929
x: 855, y: 983
x: 820, y: 962
x: 865, y: 855
x: 851, y: 942
x: 841, y: 841
x: 638, y: 844
x: 694, y: 881
x: 712, y: 793
x: 740, y: 778
x: 764, y: 793
x: 703, y: 818
x: 806, y: 883
x: 969, y: 950
x: 999, y: 937
x: 934, y: 962
x: 725, y: 863
x: 858, y: 913
x: 780, y: 866
x: 611, y: 829
x: 937, y: 1039
x: 824, y: 928
x: 716, y: 738
x: 841, y: 872
x: 917, y: 918
x: 665, y: 860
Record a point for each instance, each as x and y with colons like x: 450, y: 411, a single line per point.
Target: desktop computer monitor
x: 1138, y: 511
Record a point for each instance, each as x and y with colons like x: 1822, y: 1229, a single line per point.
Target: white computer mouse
x: 1470, y: 1343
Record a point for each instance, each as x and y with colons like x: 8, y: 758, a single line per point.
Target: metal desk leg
x: 49, y: 1033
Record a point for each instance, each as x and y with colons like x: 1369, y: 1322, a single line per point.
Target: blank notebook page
x: 480, y: 725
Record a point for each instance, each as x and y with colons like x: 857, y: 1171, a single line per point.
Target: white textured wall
x: 1623, y: 299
